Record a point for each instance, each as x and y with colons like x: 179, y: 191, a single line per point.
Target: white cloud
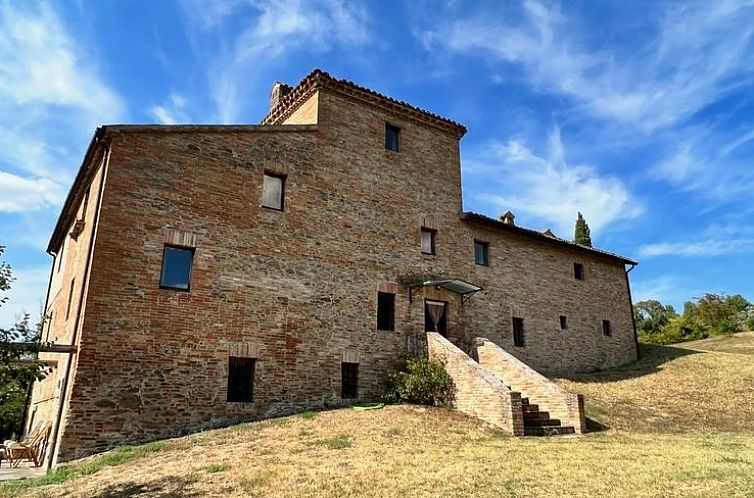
x: 28, y: 194
x: 549, y: 189
x: 51, y: 99
x: 696, y: 55
x: 27, y: 295
x: 715, y: 240
x: 172, y: 112
x: 277, y: 28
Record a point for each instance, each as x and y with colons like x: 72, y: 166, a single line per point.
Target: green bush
x: 420, y: 381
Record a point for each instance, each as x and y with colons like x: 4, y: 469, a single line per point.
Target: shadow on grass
x: 167, y: 486
x: 651, y: 358
x: 593, y: 425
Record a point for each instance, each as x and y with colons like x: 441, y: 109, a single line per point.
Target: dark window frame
x: 283, y: 180
x: 578, y: 271
x: 607, y: 328
x: 433, y: 241
x: 165, y: 248
x: 396, y: 131
x: 563, y: 322
x: 349, y: 380
x: 386, y: 311
x: 241, y: 367
x: 519, y: 332
x: 485, y: 253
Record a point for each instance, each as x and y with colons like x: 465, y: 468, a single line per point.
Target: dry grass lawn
x: 679, y: 423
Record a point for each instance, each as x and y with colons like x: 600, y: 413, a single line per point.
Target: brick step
x: 530, y: 408
x: 548, y: 431
x: 548, y: 422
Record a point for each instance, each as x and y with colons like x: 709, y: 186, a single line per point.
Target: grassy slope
x: 679, y: 424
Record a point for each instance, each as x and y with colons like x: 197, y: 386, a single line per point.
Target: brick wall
x: 477, y: 392
x: 562, y: 405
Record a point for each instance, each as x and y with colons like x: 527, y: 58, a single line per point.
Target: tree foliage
x: 582, y: 235
x: 420, y: 381
x: 19, y: 347
x: 710, y: 315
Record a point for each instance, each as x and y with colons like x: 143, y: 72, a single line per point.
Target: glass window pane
x: 480, y: 253
x: 428, y: 242
x: 272, y: 192
x: 176, y: 268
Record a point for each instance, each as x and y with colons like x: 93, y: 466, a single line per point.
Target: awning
x: 465, y: 289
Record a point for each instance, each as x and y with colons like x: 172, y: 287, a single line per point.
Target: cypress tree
x: 582, y: 235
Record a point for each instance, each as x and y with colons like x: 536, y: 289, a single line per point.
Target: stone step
x: 536, y: 415
x: 548, y: 422
x: 548, y: 431
x: 530, y: 408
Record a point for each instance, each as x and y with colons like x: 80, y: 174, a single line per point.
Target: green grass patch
x: 214, y: 468
x: 250, y: 484
x: 308, y: 415
x: 339, y: 442
x: 118, y: 456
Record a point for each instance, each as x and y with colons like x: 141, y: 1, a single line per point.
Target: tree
x: 652, y: 317
x: 582, y: 235
x: 19, y: 347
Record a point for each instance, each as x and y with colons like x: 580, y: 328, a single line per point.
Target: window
x: 176, y: 268
x: 60, y: 255
x: 385, y: 311
x: 578, y: 271
x: 607, y: 330
x: 70, y: 298
x: 563, y: 322
x: 480, y: 253
x: 392, y: 137
x: 85, y: 204
x: 241, y: 379
x: 273, y: 191
x: 428, y: 241
x: 435, y: 316
x: 349, y: 380
x: 518, y: 332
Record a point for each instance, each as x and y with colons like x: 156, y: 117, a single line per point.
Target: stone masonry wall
x: 562, y: 405
x: 477, y: 392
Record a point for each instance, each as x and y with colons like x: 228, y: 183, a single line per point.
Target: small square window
x: 481, y: 250
x: 518, y: 332
x: 176, y: 268
x: 428, y: 241
x: 241, y: 379
x: 385, y: 311
x: 578, y: 271
x: 563, y: 322
x: 392, y: 137
x: 607, y: 329
x: 273, y: 191
x: 349, y: 380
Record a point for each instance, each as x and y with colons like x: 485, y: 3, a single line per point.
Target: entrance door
x: 435, y: 316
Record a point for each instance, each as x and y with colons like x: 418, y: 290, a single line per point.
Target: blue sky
x: 638, y: 114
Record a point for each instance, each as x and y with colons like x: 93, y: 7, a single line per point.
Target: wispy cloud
x: 171, y: 112
x: 547, y: 188
x: 695, y: 54
x: 28, y: 194
x: 27, y: 295
x: 715, y: 240
x: 277, y: 28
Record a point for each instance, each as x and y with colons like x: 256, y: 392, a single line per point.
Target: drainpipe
x: 84, y: 285
x: 631, y: 307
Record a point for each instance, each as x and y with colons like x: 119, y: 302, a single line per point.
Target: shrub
x: 420, y: 381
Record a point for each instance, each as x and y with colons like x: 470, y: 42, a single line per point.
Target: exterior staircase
x: 539, y: 423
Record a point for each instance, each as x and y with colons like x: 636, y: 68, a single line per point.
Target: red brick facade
x: 294, y: 289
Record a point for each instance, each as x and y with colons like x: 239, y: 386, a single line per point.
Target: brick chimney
x: 279, y: 90
x: 508, y: 218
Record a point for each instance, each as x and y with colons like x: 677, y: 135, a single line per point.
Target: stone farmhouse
x: 205, y: 275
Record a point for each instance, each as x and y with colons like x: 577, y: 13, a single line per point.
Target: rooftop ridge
x: 320, y: 79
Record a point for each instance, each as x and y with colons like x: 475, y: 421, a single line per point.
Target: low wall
x: 477, y: 392
x: 561, y: 404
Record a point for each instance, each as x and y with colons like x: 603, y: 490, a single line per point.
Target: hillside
x: 676, y: 423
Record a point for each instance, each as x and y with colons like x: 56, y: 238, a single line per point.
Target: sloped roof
x: 318, y: 79
x: 541, y: 237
